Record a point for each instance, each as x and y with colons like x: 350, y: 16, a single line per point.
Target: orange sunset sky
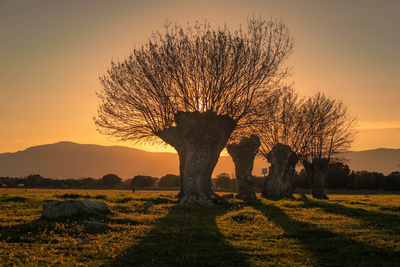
x: 52, y: 53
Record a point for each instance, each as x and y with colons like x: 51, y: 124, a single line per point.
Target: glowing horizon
x: 53, y: 53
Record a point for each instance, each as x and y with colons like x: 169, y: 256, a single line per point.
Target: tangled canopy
x: 196, y: 68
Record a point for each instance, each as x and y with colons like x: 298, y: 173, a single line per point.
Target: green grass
x: 347, y: 230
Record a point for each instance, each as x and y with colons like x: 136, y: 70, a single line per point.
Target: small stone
x: 148, y: 205
x: 228, y: 196
x: 84, y: 242
x: 126, y: 221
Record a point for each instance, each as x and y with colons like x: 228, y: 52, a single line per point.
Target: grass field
x: 357, y: 230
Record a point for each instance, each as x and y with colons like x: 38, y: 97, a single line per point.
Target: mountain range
x: 72, y: 160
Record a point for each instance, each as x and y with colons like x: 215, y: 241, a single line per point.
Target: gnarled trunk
x: 199, y: 139
x: 283, y: 161
x: 243, y: 156
x: 318, y: 178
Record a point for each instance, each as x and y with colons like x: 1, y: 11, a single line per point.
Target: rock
x: 96, y: 205
x: 84, y: 242
x: 228, y: 196
x: 126, y: 221
x: 89, y: 221
x: 70, y: 208
x: 63, y: 209
x: 148, y: 205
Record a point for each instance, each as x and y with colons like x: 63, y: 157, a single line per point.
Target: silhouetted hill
x: 71, y: 160
x: 382, y: 160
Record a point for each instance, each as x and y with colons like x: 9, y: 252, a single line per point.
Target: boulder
x: 126, y: 221
x: 228, y: 196
x: 148, y: 205
x: 302, y: 195
x: 84, y: 242
x: 70, y: 208
x: 96, y: 206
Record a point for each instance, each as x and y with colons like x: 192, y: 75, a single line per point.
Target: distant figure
x: 133, y: 190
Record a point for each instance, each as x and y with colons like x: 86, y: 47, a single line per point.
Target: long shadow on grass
x: 186, y: 236
x: 327, y: 247
x: 26, y: 232
x: 387, y: 222
x: 41, y: 230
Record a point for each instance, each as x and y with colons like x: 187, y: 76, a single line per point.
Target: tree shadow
x: 185, y: 236
x: 328, y: 248
x: 388, y: 222
x: 42, y: 230
x: 26, y: 232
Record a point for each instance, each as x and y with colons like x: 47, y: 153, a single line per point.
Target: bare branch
x: 197, y: 68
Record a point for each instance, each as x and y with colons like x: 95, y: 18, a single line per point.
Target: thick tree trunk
x: 319, y: 169
x: 181, y: 166
x: 283, y: 161
x: 199, y: 139
x: 243, y: 156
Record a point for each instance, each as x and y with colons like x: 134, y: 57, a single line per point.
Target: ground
x: 361, y: 230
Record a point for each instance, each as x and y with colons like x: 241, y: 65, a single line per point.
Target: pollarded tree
x: 283, y: 135
x: 332, y: 132
x: 283, y: 120
x: 314, y: 130
x: 190, y: 88
x: 243, y: 154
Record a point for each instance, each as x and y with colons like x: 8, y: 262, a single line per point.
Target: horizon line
x: 145, y: 150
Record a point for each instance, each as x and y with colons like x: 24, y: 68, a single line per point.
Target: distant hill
x: 71, y: 160
x: 382, y: 160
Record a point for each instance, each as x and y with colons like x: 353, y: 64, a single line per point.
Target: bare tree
x: 332, y: 135
x: 317, y: 129
x: 283, y: 120
x: 284, y: 135
x: 190, y: 88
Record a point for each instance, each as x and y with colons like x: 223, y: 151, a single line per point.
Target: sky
x: 53, y: 52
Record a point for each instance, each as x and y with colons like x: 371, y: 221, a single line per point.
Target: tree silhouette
x: 284, y: 134
x: 243, y: 154
x: 318, y: 129
x: 169, y: 180
x: 332, y: 134
x: 190, y: 88
x: 110, y: 180
x: 224, y: 181
x: 283, y: 120
x: 142, y: 181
